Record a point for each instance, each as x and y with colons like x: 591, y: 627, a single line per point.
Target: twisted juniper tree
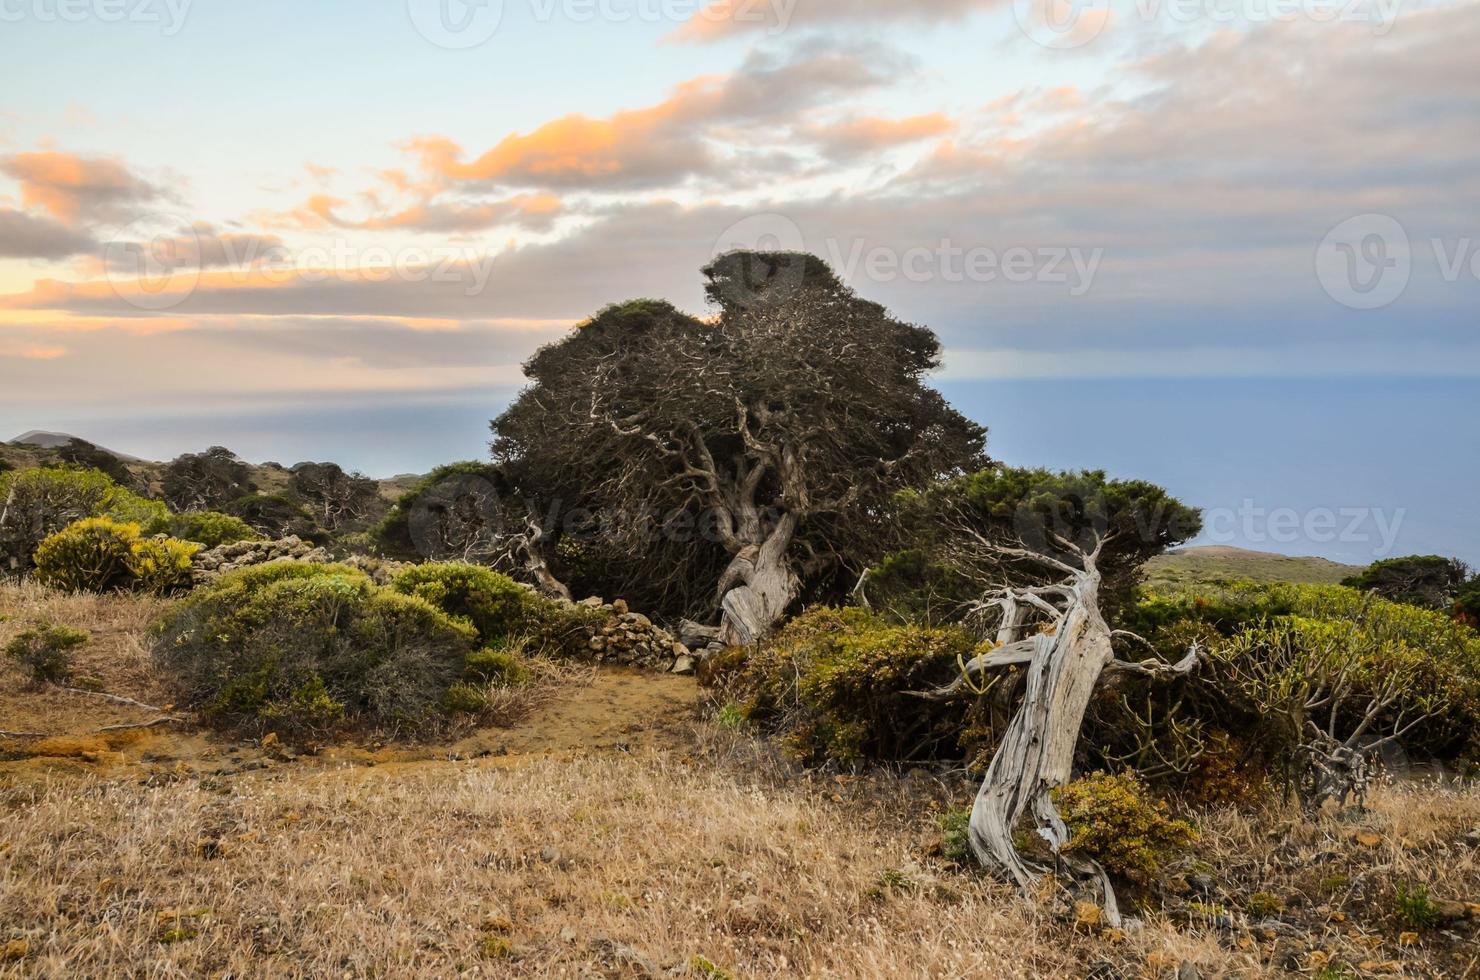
x: 748, y: 453
x: 1045, y: 549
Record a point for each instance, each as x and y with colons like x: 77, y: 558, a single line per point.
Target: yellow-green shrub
x: 99, y: 554
x: 296, y: 645
x: 42, y: 500
x: 836, y: 684
x: 162, y: 565
x: 499, y: 608
x: 1244, y: 625
x: 1113, y: 820
x: 90, y: 555
x: 490, y: 666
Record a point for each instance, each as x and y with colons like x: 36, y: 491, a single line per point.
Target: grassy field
x: 1213, y: 564
x: 613, y: 831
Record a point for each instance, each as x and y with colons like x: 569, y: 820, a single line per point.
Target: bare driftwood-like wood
x: 1064, y: 658
x: 132, y: 726
x: 115, y: 698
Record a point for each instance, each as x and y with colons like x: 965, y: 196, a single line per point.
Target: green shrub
x: 494, y: 604
x: 294, y: 640
x: 1262, y: 639
x: 393, y: 532
x: 43, y: 500
x: 1414, y: 908
x: 45, y: 651
x: 490, y: 666
x: 500, y: 609
x: 1112, y: 820
x: 162, y: 565
x: 91, y: 555
x: 955, y: 835
x: 211, y: 529
x: 99, y: 554
x: 464, y: 699
x: 836, y: 685
x: 310, y: 709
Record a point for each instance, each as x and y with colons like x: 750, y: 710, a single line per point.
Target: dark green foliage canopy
x: 1039, y: 512
x: 206, y: 481
x: 1430, y: 581
x: 667, y: 444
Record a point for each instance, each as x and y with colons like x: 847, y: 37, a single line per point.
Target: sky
x: 1229, y: 245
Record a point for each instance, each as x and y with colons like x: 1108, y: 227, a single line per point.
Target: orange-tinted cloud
x: 74, y: 188
x: 723, y: 18
x: 674, y: 139
x: 872, y: 133
x: 533, y: 211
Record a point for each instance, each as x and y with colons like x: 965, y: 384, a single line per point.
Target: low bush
x: 836, y: 685
x: 45, y: 651
x: 501, y: 610
x: 1114, y: 821
x: 297, y: 646
x: 162, y: 565
x: 490, y: 666
x: 1266, y: 639
x: 211, y: 529
x: 91, y: 555
x: 43, y: 500
x: 99, y: 554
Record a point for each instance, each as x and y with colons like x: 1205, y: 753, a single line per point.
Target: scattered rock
x: 1287, y: 955
x: 550, y: 854
x: 1187, y: 970
x: 631, y: 638
x: 1447, y: 910
x: 210, y: 565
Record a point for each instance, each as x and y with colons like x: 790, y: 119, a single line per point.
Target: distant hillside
x: 1215, y: 563
x: 55, y: 440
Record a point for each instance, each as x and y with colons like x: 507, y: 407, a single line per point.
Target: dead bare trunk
x: 1036, y: 754
x: 1063, y: 663
x: 767, y: 585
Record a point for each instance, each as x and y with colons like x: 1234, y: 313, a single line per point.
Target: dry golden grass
x: 115, y: 657
x: 592, y: 866
x: 601, y: 836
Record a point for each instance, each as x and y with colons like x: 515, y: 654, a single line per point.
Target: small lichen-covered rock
x: 212, y: 564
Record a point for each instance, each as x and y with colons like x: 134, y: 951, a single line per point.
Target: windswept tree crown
x: 777, y: 430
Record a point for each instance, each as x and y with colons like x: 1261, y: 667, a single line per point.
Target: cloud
x: 197, y: 246
x: 673, y: 140
x: 536, y: 212
x: 720, y: 19
x: 74, y: 188
x: 871, y: 134
x: 28, y: 236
